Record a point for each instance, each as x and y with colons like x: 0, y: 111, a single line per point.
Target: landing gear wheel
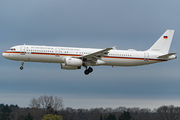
x: 86, y: 72
x: 22, y: 63
x: 90, y: 69
x: 21, y: 68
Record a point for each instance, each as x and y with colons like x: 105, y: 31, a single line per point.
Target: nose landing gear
x: 22, y: 63
x: 87, y: 71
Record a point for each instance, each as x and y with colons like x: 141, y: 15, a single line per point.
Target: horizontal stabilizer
x: 166, y: 55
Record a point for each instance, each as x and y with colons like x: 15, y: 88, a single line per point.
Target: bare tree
x: 169, y: 112
x: 47, y: 102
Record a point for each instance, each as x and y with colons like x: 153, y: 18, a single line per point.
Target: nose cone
x: 8, y: 55
x: 5, y: 55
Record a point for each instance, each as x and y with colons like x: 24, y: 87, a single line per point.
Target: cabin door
x: 22, y: 50
x: 57, y: 52
x: 146, y: 56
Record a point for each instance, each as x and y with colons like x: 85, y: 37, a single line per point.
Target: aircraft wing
x: 97, y: 55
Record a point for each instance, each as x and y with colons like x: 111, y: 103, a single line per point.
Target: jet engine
x: 73, y: 62
x: 67, y: 67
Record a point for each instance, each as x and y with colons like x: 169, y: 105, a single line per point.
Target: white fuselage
x: 72, y: 58
x: 50, y: 54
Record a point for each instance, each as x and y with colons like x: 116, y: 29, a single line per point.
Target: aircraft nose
x: 4, y: 55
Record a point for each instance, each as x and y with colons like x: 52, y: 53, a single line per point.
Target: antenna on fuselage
x: 114, y: 48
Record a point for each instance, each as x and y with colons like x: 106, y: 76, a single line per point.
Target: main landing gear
x: 22, y: 63
x: 87, y: 71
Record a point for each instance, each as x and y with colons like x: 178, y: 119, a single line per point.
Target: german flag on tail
x: 165, y: 37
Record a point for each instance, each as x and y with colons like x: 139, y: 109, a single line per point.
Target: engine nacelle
x: 64, y: 66
x: 73, y: 62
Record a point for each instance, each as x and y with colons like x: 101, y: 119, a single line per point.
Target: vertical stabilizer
x: 163, y: 43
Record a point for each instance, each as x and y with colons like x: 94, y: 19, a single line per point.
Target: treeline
x: 11, y: 106
x: 53, y: 109
x: 120, y: 113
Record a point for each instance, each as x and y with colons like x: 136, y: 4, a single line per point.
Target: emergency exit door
x: 146, y: 56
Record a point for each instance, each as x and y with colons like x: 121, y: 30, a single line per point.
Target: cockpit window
x: 13, y: 49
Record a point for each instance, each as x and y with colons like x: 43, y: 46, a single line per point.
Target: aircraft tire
x: 90, y: 69
x: 21, y: 68
x: 86, y: 72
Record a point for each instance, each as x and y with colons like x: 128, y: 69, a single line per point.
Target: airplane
x: 71, y: 58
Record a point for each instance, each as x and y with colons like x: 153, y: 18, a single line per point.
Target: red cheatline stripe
x: 42, y: 53
x: 12, y: 52
x: 80, y: 55
x: 133, y: 58
x: 70, y: 55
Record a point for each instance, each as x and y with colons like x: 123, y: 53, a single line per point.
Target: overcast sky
x: 127, y: 24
